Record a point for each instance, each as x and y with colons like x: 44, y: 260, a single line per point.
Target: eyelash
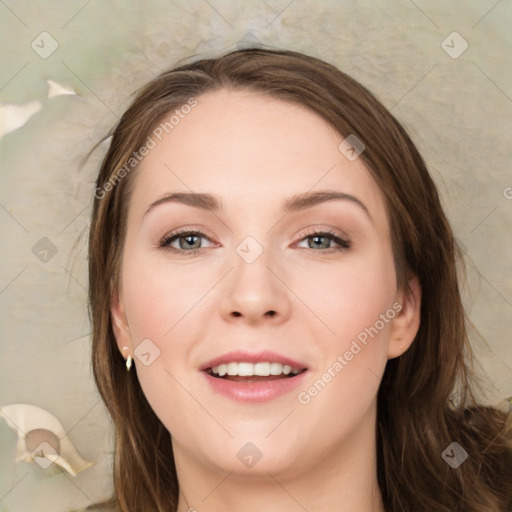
x: 168, y: 239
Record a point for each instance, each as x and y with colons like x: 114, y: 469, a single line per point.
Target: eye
x: 323, y: 240
x: 188, y: 241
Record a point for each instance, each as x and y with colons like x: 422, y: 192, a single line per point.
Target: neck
x: 345, y: 480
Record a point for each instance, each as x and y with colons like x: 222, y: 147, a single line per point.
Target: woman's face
x: 252, y: 283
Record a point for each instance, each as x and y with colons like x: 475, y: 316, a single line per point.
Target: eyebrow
x: 294, y: 203
x: 203, y: 201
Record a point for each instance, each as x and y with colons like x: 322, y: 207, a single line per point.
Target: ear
x: 120, y: 323
x: 406, y: 323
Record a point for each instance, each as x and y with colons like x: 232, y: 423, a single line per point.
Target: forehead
x: 253, y: 150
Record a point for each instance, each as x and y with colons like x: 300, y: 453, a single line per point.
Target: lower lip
x: 254, y: 392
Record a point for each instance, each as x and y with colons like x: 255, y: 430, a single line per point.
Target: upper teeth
x: 250, y: 369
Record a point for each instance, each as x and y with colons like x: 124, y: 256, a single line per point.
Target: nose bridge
x: 251, y: 264
x: 254, y: 290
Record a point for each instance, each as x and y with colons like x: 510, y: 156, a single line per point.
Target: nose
x: 255, y: 291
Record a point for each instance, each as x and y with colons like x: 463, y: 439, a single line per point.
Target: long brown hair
x: 425, y: 401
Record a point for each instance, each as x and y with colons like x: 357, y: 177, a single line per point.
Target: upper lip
x: 256, y: 357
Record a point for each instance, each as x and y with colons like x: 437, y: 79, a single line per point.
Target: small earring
x: 129, y: 360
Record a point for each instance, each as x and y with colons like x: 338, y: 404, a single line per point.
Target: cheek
x: 161, y: 306
x: 159, y: 301
x: 356, y: 307
x: 343, y: 386
x: 350, y: 297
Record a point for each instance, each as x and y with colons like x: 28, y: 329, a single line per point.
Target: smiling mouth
x: 253, y: 372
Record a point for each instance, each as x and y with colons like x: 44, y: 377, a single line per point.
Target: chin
x: 256, y: 458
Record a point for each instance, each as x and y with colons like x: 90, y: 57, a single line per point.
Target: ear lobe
x: 406, y: 323
x: 119, y: 322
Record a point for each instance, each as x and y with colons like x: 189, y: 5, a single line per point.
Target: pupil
x: 316, y: 238
x: 189, y: 240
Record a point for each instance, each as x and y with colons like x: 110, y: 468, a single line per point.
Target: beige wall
x: 458, y: 110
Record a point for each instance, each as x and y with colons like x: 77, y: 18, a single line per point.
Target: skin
x: 254, y: 152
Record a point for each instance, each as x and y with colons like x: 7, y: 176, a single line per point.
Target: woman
x: 268, y: 249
